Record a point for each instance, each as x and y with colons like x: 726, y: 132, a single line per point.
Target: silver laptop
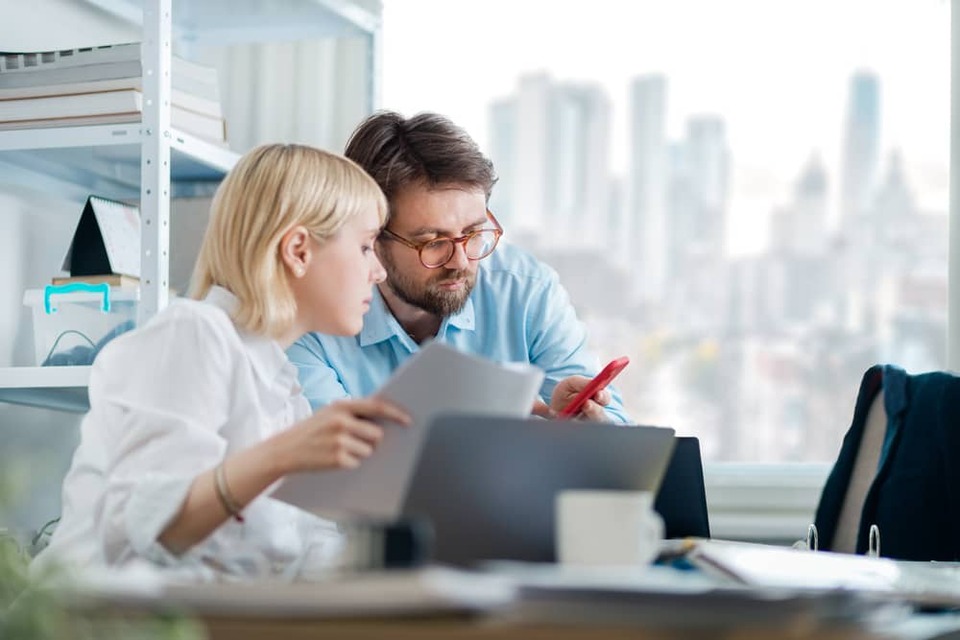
x: 488, y: 484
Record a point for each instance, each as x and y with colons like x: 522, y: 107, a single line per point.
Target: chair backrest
x: 864, y: 471
x: 837, y: 502
x: 682, y: 499
x: 897, y: 469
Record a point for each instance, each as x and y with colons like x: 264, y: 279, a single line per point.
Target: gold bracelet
x: 226, y: 499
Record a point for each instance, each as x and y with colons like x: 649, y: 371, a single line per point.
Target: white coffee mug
x: 607, y: 527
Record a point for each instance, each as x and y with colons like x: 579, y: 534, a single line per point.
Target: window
x: 748, y: 198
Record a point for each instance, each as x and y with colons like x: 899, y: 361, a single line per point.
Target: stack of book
x: 102, y: 85
x: 112, y: 279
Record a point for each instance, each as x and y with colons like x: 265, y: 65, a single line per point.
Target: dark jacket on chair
x: 914, y: 498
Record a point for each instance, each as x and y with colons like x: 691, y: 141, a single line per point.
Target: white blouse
x: 169, y: 401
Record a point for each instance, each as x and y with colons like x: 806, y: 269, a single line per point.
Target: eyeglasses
x: 435, y: 253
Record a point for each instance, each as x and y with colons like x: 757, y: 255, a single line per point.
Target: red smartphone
x: 599, y: 381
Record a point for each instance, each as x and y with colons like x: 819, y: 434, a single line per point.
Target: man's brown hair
x: 427, y: 149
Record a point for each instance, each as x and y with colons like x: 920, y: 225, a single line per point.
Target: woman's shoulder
x: 188, y: 316
x: 190, y: 326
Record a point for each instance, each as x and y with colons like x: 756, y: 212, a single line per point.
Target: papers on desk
x: 437, y: 380
x: 655, y: 598
x: 756, y: 565
x: 432, y: 590
x: 783, y: 567
x: 389, y: 593
x: 660, y: 597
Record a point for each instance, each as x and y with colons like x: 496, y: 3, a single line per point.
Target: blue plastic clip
x: 56, y: 289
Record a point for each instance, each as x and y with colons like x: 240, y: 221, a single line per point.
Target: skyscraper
x: 502, y: 119
x: 800, y: 283
x: 551, y: 148
x: 861, y: 147
x: 708, y: 164
x: 800, y: 227
x: 697, y: 197
x: 533, y: 182
x: 696, y: 221
x: 581, y: 157
x: 644, y: 236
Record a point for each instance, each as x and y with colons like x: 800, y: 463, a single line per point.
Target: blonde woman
x: 196, y: 414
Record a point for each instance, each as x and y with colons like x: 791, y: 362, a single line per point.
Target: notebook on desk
x: 928, y: 584
x: 488, y: 484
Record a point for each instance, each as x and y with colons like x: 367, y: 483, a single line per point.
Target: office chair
x: 898, y: 468
x: 682, y: 499
x: 862, y: 475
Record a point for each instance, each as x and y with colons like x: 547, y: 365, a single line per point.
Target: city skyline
x: 550, y: 141
x: 755, y: 355
x: 780, y: 108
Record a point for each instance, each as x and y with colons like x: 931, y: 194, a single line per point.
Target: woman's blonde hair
x: 270, y: 190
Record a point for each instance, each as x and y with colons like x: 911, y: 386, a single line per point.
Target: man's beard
x: 439, y: 303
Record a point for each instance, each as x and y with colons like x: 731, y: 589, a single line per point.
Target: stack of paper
x: 102, y: 85
x: 431, y: 590
x: 665, y: 598
x: 770, y: 567
x: 439, y: 379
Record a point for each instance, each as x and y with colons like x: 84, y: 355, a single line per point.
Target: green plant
x: 30, y: 610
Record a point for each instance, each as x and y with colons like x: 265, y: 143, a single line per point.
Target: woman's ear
x: 295, y: 250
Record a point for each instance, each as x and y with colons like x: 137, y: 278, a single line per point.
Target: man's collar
x: 379, y: 324
x: 465, y: 318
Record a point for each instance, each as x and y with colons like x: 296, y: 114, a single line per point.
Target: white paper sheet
x: 429, y: 590
x: 771, y: 567
x: 439, y: 379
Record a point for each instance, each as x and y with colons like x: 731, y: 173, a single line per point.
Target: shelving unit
x: 77, y: 161
x: 63, y: 388
x: 150, y: 161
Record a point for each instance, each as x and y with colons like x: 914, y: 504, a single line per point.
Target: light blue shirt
x: 517, y: 312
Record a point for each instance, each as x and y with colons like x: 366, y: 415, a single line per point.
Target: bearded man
x: 448, y: 277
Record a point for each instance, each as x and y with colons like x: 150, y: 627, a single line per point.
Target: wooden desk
x: 467, y: 629
x: 377, y: 607
x: 217, y: 627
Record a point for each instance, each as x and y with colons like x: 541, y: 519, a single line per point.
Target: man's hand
x: 565, y: 391
x: 542, y: 409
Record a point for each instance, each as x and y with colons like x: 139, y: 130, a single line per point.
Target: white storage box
x: 72, y: 322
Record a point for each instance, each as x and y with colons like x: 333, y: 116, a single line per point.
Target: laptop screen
x: 488, y: 484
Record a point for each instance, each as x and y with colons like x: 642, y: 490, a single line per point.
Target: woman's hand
x: 338, y: 436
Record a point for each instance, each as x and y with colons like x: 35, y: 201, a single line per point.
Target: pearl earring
x: 299, y: 271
